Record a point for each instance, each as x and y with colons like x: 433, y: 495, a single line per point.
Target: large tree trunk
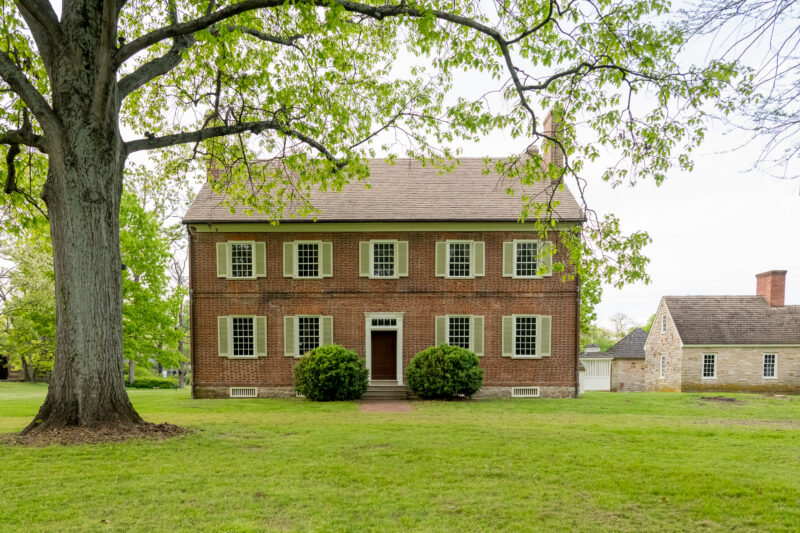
x: 82, y: 194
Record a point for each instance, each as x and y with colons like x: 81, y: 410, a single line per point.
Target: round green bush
x: 444, y: 372
x: 331, y: 373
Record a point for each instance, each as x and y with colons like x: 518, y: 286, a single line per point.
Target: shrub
x: 330, y: 373
x: 444, y: 371
x: 153, y: 383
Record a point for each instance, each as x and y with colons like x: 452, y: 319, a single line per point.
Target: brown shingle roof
x: 733, y: 320
x: 631, y: 346
x: 406, y: 191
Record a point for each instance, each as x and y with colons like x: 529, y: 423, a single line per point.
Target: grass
x: 605, y: 462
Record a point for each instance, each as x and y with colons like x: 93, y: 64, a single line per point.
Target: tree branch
x: 24, y: 138
x: 43, y: 24
x: 155, y: 68
x: 23, y: 88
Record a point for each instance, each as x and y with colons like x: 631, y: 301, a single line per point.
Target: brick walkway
x: 385, y: 406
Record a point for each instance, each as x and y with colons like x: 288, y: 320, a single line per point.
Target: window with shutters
x: 241, y: 260
x: 383, y: 259
x: 459, y: 259
x: 458, y: 331
x: 243, y: 336
x: 525, y: 259
x: 525, y: 336
x: 770, y: 365
x: 308, y: 260
x: 709, y: 366
x: 308, y: 333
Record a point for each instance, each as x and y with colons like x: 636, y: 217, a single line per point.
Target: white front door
x: 596, y: 374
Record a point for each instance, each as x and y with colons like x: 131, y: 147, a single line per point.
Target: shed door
x: 597, y: 374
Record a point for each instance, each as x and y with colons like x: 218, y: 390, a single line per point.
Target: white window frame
x: 514, y: 354
x: 774, y: 365
x: 664, y: 323
x: 447, y: 259
x: 372, y: 244
x: 447, y: 329
x: 662, y: 366
x: 514, y: 258
x: 229, y: 259
x: 230, y: 337
x: 297, y: 318
x: 397, y: 326
x: 703, y: 364
x: 295, y: 253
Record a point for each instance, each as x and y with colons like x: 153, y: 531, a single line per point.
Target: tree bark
x: 83, y: 193
x: 131, y: 371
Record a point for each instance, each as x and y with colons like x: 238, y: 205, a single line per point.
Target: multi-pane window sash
x: 243, y: 337
x: 526, y: 265
x: 308, y: 336
x: 663, y: 323
x: 241, y: 260
x: 663, y: 366
x: 383, y: 259
x: 770, y: 360
x: 525, y: 336
x: 459, y: 255
x: 458, y: 331
x: 308, y: 260
x: 709, y: 365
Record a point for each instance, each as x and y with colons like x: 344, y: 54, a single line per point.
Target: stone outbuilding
x: 620, y: 368
x: 726, y: 343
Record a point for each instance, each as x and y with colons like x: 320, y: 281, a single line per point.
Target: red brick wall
x: 421, y: 296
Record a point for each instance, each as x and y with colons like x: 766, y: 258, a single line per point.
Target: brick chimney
x: 552, y: 126
x: 772, y: 286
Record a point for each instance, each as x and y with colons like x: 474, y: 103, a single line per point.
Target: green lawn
x: 614, y: 462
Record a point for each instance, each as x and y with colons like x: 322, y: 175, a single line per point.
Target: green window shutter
x: 441, y: 259
x: 261, y: 336
x: 288, y: 259
x: 476, y: 337
x: 508, y: 259
x: 363, y: 259
x: 508, y: 336
x: 260, y: 260
x: 543, y: 327
x: 327, y: 259
x: 441, y: 330
x: 223, y: 336
x: 289, y: 348
x: 326, y: 335
x: 222, y: 260
x: 478, y: 258
x: 401, y: 259
x: 546, y: 258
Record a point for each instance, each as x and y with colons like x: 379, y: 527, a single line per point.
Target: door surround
x: 384, y: 321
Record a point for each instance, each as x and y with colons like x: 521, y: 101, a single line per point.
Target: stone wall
x: 627, y: 375
x: 741, y: 370
x: 667, y: 344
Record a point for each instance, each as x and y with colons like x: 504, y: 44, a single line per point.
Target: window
x: 458, y: 259
x: 770, y: 365
x: 525, y: 262
x: 241, y: 260
x: 458, y: 333
x: 663, y: 366
x: 709, y: 366
x: 384, y: 322
x: 383, y: 259
x: 307, y: 260
x: 308, y: 336
x: 525, y: 336
x: 243, y: 337
x: 664, y: 323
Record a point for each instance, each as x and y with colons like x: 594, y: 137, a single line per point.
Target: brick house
x: 726, y: 343
x: 418, y: 259
x: 621, y: 368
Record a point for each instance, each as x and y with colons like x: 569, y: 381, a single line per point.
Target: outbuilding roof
x: 408, y: 191
x: 749, y: 320
x: 631, y: 346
